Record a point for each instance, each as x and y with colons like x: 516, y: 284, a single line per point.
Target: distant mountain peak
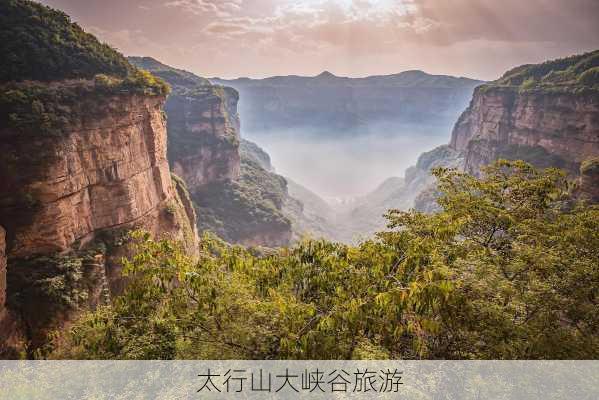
x: 414, y: 72
x: 326, y: 74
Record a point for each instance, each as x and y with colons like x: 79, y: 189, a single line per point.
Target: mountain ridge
x: 399, y: 78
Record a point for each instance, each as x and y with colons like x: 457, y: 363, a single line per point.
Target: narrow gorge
x: 95, y: 145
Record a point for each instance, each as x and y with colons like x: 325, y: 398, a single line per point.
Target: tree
x: 507, y: 269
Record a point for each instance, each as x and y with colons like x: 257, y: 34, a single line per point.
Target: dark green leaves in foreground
x: 508, y: 269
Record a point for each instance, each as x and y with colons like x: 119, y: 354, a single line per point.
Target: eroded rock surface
x: 67, y: 199
x: 545, y: 128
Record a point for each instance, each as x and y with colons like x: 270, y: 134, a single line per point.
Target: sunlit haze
x: 259, y: 38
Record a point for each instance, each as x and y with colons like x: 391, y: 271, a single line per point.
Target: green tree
x: 507, y: 269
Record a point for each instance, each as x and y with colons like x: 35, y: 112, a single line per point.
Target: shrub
x: 590, y: 77
x: 40, y: 43
x: 502, y: 271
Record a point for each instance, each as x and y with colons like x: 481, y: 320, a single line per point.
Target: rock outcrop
x: 83, y: 160
x: 206, y: 122
x: 546, y: 114
x: 545, y: 128
x: 108, y: 170
x: 587, y: 186
x: 203, y: 126
x: 236, y: 195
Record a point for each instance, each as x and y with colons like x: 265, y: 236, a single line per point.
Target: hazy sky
x: 257, y: 38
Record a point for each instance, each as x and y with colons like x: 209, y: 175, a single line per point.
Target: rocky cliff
x: 203, y: 126
x: 236, y: 195
x: 104, y: 173
x: 82, y: 161
x: 108, y: 169
x: 547, y: 114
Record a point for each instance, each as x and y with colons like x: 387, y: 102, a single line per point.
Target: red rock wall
x: 106, y: 172
x: 204, y: 136
x: 565, y: 125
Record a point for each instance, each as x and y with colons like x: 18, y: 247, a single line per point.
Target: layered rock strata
x: 69, y: 195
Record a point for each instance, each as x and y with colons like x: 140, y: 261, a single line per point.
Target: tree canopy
x: 508, y: 269
x: 40, y: 43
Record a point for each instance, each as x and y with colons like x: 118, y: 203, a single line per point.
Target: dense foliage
x: 180, y: 80
x: 53, y: 109
x: 576, y: 71
x: 67, y: 66
x: 236, y: 210
x: 40, y: 43
x: 507, y: 269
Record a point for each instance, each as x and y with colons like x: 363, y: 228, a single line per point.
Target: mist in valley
x: 342, y: 168
x: 344, y: 144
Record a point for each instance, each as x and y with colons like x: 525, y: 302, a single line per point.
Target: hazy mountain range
x: 340, y: 105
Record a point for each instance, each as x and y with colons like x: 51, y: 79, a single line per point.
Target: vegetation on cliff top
x: 177, y: 78
x: 40, y: 43
x: 574, y: 73
x: 41, y: 108
x: 505, y: 270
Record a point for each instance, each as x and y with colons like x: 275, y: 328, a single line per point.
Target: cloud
x: 480, y: 38
x: 222, y: 9
x: 573, y: 21
x: 364, y: 26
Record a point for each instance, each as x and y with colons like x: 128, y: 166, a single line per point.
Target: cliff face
x: 204, y: 135
x: 67, y: 197
x: 546, y: 114
x: 545, y: 128
x: 203, y: 126
x: 105, y: 172
x: 236, y: 196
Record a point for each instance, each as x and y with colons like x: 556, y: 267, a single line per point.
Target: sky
x: 258, y: 38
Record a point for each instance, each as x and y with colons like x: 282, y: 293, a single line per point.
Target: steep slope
x: 251, y: 151
x: 308, y: 214
x: 247, y: 210
x: 234, y: 195
x: 338, y: 106
x: 202, y: 123
x: 414, y: 190
x: 547, y: 114
x: 32, y: 32
x: 82, y: 162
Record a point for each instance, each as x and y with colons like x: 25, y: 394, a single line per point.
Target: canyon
x: 101, y: 145
x: 341, y: 106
